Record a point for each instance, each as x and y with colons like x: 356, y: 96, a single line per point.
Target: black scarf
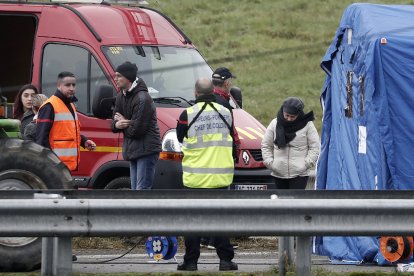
x: 286, y: 131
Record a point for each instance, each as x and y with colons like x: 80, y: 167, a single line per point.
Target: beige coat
x: 297, y: 157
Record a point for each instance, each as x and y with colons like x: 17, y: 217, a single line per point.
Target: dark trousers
x: 223, y: 247
x: 298, y: 183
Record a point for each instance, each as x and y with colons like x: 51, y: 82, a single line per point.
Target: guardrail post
x: 47, y: 256
x: 303, y: 255
x: 62, y: 259
x: 285, y: 254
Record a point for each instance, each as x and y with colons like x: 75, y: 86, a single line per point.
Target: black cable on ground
x: 119, y: 257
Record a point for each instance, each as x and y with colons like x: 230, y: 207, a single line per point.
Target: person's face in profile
x: 121, y: 81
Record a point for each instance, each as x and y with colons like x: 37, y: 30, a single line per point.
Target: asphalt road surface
x: 248, y: 261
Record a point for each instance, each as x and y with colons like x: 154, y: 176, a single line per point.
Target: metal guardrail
x: 299, y: 217
x: 283, y: 216
x: 212, y: 193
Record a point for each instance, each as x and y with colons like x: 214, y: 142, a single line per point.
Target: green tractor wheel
x: 26, y: 165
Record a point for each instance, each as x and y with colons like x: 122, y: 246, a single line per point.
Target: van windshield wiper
x: 171, y: 100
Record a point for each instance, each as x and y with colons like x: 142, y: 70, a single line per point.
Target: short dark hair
x: 65, y: 74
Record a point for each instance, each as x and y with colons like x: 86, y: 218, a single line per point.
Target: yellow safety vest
x: 208, y: 160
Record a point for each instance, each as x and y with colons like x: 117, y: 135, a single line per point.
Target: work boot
x: 187, y: 266
x: 227, y: 265
x: 203, y: 244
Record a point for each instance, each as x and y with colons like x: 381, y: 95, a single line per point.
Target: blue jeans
x: 143, y: 171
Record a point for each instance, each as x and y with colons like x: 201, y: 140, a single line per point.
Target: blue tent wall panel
x: 376, y: 43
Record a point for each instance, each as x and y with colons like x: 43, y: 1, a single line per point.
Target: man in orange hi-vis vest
x: 58, y: 127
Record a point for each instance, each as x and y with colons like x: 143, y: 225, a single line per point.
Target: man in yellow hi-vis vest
x: 205, y: 131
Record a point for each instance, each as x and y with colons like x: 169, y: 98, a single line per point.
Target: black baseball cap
x: 223, y: 73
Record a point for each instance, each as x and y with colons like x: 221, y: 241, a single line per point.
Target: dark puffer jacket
x: 30, y: 131
x: 142, y: 136
x: 26, y: 119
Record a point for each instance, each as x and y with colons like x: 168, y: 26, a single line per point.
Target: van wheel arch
x: 108, y: 172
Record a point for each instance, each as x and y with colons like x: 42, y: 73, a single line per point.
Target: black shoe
x: 74, y: 258
x: 187, y: 266
x: 227, y: 265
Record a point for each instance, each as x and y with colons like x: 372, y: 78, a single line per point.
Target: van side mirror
x: 237, y: 95
x: 103, y: 102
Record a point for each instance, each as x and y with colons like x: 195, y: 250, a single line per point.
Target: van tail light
x: 2, y: 112
x: 3, y: 106
x: 172, y: 156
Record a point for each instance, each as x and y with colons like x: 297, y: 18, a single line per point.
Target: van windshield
x: 169, y: 72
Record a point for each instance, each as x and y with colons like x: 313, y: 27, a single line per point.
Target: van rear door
x: 17, y: 35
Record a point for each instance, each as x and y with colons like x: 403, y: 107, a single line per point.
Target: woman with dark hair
x: 22, y: 109
x: 290, y: 146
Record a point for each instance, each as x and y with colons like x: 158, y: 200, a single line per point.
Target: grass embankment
x: 273, y: 46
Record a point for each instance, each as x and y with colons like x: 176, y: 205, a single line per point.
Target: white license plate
x: 250, y: 187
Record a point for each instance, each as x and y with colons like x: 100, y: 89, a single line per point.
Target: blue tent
x: 368, y: 120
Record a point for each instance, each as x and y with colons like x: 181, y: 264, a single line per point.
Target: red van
x: 90, y: 40
x: 39, y: 40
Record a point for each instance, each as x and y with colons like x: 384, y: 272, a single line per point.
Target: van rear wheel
x: 119, y: 183
x: 25, y: 165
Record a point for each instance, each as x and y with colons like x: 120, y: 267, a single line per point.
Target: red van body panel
x: 116, y: 25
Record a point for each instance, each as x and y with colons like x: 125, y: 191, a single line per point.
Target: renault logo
x: 246, y: 158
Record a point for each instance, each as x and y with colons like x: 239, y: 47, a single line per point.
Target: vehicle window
x: 167, y: 71
x: 97, y: 79
x: 60, y: 57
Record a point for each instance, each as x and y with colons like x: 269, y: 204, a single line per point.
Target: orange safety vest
x: 64, y: 137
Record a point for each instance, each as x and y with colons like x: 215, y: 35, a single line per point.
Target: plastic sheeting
x: 368, y: 121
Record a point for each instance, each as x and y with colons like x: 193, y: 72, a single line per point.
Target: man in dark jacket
x: 222, y: 84
x: 221, y: 79
x: 135, y: 115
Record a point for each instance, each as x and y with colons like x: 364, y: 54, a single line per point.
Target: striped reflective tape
x: 248, y: 132
x: 201, y: 144
x: 245, y: 133
x: 105, y: 149
x: 66, y: 152
x: 208, y: 170
x: 64, y: 117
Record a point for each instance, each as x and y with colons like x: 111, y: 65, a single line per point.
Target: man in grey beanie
x: 135, y: 116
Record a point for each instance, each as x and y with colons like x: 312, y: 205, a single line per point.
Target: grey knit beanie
x: 128, y: 70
